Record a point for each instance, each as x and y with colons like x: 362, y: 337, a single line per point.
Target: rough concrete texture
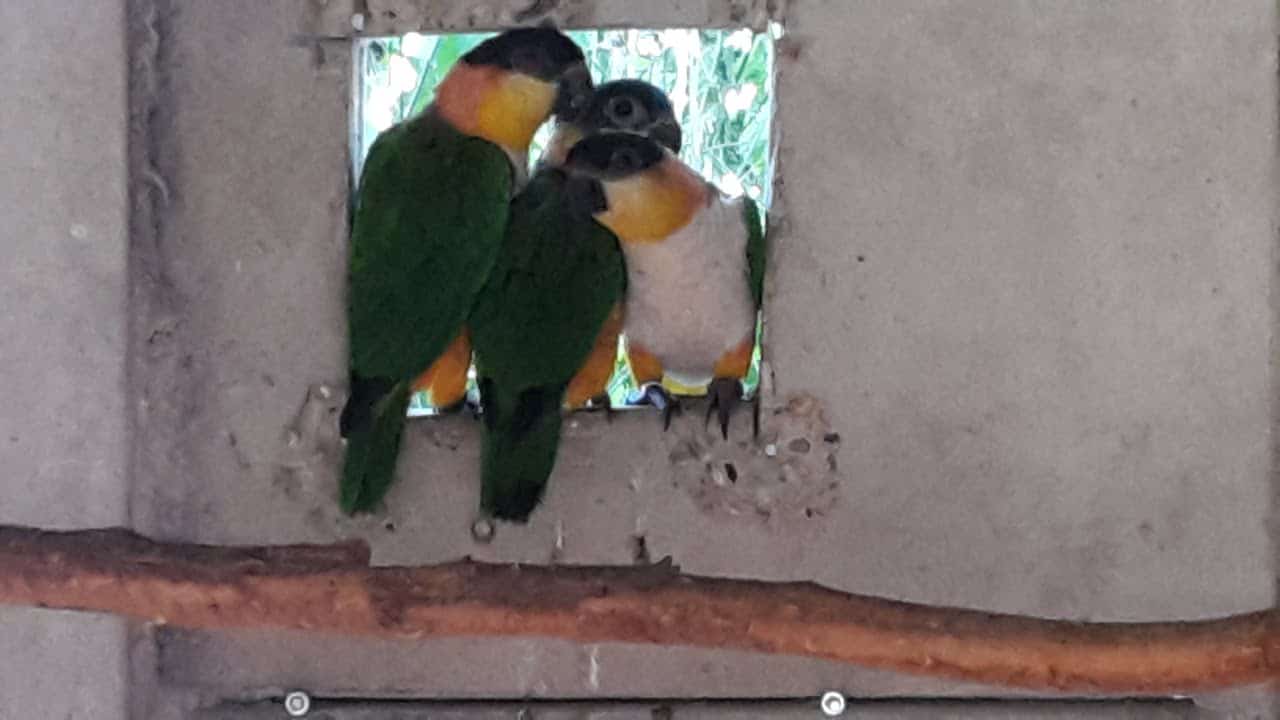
x: 1035, y: 298
x: 1024, y: 266
x: 336, y: 18
x: 62, y: 292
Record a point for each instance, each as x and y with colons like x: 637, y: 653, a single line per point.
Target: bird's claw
x: 724, y: 395
x: 467, y: 404
x: 457, y: 408
x: 602, y: 402
x: 657, y: 396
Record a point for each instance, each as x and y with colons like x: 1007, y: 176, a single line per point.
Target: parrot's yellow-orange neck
x: 649, y: 206
x: 501, y: 106
x: 562, y: 139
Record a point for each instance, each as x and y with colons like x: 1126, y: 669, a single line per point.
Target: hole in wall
x: 721, y: 83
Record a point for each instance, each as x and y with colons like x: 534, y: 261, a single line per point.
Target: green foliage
x: 720, y: 83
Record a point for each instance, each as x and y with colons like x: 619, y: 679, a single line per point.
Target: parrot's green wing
x: 757, y: 247
x: 430, y: 215
x: 534, y: 325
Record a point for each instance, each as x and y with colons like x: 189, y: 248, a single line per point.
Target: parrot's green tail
x: 518, y: 448
x: 372, y: 422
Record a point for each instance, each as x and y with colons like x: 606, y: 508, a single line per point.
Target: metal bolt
x: 483, y: 530
x: 297, y: 703
x: 833, y: 704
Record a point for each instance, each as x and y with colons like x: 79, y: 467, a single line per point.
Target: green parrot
x: 695, y: 268
x: 430, y: 216
x: 545, y: 327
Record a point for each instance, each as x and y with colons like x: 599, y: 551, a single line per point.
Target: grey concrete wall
x: 1023, y: 265
x: 1036, y: 293
x: 1023, y: 270
x: 63, y: 435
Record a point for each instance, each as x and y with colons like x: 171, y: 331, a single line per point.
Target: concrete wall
x: 1023, y: 265
x: 1023, y: 270
x: 1036, y: 295
x: 63, y: 435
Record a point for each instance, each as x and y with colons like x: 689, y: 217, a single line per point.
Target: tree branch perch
x: 331, y: 588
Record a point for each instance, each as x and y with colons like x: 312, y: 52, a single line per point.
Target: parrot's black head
x: 613, y: 155
x: 634, y: 106
x: 544, y: 53
x: 605, y: 157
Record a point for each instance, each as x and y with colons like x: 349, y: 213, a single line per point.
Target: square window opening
x: 721, y: 84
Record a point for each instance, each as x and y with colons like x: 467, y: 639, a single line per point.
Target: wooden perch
x: 333, y: 589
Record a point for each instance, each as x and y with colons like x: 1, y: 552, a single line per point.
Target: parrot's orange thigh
x: 445, y: 382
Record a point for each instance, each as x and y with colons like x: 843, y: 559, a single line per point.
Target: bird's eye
x: 621, y: 108
x: 624, y: 161
x: 625, y: 113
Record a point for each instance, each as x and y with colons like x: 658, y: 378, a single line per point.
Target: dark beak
x: 585, y: 196
x: 667, y: 134
x: 573, y: 93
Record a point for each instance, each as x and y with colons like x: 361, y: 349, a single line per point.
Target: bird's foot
x: 602, y: 402
x: 724, y: 395
x: 657, y: 396
x: 466, y: 403
x: 473, y: 406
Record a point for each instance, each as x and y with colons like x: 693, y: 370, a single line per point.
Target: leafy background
x: 719, y: 81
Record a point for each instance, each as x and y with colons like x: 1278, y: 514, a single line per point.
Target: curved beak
x: 573, y: 92
x: 667, y: 134
x: 586, y: 195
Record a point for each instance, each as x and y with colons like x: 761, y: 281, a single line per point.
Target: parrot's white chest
x: 688, y: 297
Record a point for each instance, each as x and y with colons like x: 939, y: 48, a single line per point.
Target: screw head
x: 483, y: 530
x: 833, y: 704
x: 297, y: 703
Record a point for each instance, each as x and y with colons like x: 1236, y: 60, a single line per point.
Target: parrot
x: 430, y: 216
x: 695, y: 264
x: 545, y: 327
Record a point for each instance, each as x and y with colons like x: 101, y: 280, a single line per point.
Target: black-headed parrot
x: 546, y: 325
x: 430, y: 216
x: 695, y: 267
